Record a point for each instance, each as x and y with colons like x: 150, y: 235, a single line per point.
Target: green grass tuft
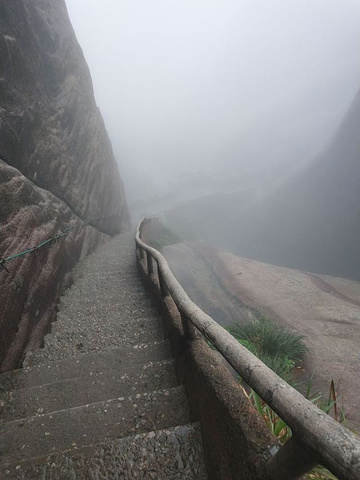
x: 276, y: 346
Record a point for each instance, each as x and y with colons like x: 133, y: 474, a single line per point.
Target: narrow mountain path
x: 101, y: 399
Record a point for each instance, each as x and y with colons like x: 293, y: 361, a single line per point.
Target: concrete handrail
x: 316, y: 437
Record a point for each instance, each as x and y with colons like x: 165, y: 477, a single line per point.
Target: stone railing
x: 316, y: 437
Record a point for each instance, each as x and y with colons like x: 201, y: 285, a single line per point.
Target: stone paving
x: 101, y: 399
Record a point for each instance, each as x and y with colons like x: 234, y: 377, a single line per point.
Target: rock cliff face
x: 57, y: 168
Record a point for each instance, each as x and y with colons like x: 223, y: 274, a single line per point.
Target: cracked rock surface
x: 101, y: 399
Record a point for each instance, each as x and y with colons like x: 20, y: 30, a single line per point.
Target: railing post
x: 188, y: 327
x: 142, y: 253
x: 292, y: 461
x: 163, y: 288
x: 150, y: 264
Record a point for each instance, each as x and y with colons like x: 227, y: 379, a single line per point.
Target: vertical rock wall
x: 57, y: 167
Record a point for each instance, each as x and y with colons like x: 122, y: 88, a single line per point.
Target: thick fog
x: 228, y: 88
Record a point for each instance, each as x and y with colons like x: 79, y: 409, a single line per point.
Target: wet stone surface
x: 100, y: 400
x: 168, y: 454
x: 92, y: 423
x: 106, y: 307
x: 107, y: 359
x: 92, y: 388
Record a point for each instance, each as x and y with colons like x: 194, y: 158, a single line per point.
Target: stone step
x: 175, y: 453
x: 65, y: 323
x: 108, y: 310
x: 125, y: 312
x: 99, y: 334
x: 87, y: 389
x: 96, y: 334
x: 110, y: 300
x: 84, y: 271
x: 113, y: 279
x: 90, y: 424
x: 103, y: 280
x: 112, y: 359
x: 111, y: 312
x: 89, y: 299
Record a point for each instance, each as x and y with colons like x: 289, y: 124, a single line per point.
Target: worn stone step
x: 88, y: 335
x: 118, y: 278
x: 112, y: 359
x: 94, y: 308
x: 123, y: 312
x: 110, y: 300
x: 65, y: 321
x: 107, y: 307
x: 95, y: 423
x: 131, y: 311
x: 128, y: 274
x: 108, y: 312
x: 83, y: 390
x: 107, y: 266
x: 119, y: 320
x: 90, y: 300
x: 114, y: 279
x: 97, y: 334
x: 175, y: 453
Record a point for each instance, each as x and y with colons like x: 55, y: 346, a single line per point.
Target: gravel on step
x: 95, y: 403
x: 106, y: 307
x: 99, y: 336
x: 175, y: 453
x: 111, y: 359
x: 91, y: 388
x: 90, y: 424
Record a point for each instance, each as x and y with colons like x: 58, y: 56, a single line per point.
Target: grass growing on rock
x: 280, y: 349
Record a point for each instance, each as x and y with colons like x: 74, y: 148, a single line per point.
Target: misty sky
x: 187, y: 85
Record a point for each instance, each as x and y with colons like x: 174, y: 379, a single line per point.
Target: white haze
x: 222, y: 86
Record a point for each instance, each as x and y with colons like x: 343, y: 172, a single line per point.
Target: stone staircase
x: 101, y: 399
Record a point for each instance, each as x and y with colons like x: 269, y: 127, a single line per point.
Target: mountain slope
x: 312, y: 221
